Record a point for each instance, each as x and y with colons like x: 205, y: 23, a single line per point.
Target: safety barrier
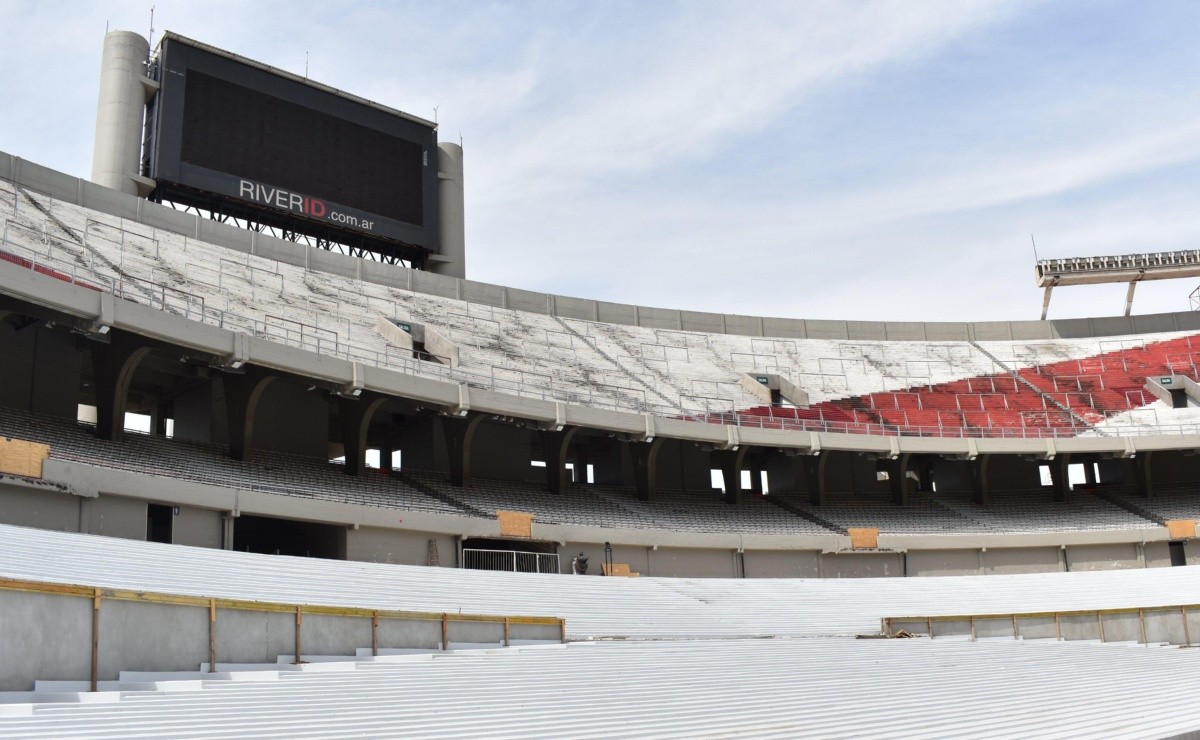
x: 1147, y: 625
x: 214, y: 606
x: 511, y: 561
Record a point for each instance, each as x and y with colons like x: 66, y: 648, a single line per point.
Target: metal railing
x: 512, y: 561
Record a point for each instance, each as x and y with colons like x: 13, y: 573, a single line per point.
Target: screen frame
x: 191, y: 184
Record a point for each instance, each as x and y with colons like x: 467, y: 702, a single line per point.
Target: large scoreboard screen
x: 269, y: 145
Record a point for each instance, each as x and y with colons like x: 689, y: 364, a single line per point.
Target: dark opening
x: 158, y: 523
x: 420, y: 353
x: 1178, y: 557
x: 521, y: 556
x: 287, y: 537
x: 776, y: 397
x: 1179, y: 399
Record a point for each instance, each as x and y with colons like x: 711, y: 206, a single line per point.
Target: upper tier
x: 1021, y: 379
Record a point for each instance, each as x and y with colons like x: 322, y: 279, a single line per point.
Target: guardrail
x: 1146, y: 625
x: 99, y: 596
x: 511, y: 561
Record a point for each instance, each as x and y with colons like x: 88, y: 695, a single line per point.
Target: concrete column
x: 113, y: 366
x: 645, y: 467
x: 730, y: 462
x: 756, y: 486
x: 814, y: 473
x: 556, y: 446
x: 356, y: 414
x: 1058, y: 477
x: 117, y: 149
x: 242, y: 391
x: 452, y: 260
x: 1089, y: 473
x: 161, y: 412
x: 979, y: 480
x: 1143, y: 478
x: 227, y: 519
x: 459, y: 434
x: 898, y: 479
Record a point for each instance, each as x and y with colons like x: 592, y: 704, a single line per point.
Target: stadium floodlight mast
x: 1124, y: 268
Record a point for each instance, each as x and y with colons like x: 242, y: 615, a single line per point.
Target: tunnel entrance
x: 519, y: 556
x: 289, y: 537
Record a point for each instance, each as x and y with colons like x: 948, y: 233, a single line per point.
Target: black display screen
x: 236, y: 137
x: 233, y: 129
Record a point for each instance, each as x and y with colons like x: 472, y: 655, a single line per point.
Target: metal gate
x: 510, y: 560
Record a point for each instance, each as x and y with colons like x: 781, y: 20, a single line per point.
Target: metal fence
x: 511, y: 561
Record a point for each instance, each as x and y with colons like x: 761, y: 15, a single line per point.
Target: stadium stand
x: 1021, y: 389
x: 287, y: 475
x: 646, y: 607
x: 1022, y: 400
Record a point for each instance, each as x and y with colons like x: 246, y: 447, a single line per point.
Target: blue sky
x: 850, y: 160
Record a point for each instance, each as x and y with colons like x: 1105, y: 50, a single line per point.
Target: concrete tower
x: 124, y: 90
x: 451, y: 219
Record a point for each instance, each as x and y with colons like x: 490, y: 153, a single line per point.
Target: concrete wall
x: 677, y: 562
x: 781, y: 564
x: 1103, y: 557
x: 862, y: 565
x: 197, y: 527
x: 39, y: 370
x: 48, y: 636
x: 379, y: 545
x: 1022, y: 560
x: 43, y: 509
x: 45, y: 637
x: 502, y: 452
x: 292, y: 419
x: 944, y: 563
x: 114, y: 516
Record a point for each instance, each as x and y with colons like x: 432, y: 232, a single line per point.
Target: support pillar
x: 756, y: 471
x: 645, y: 467
x: 227, y: 520
x: 1143, y: 477
x: 812, y: 469
x: 356, y: 416
x: 113, y: 366
x: 898, y: 479
x: 555, y: 447
x: 925, y: 471
x: 979, y: 480
x: 242, y: 391
x: 729, y: 462
x: 1059, y: 479
x: 459, y: 434
x: 160, y: 419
